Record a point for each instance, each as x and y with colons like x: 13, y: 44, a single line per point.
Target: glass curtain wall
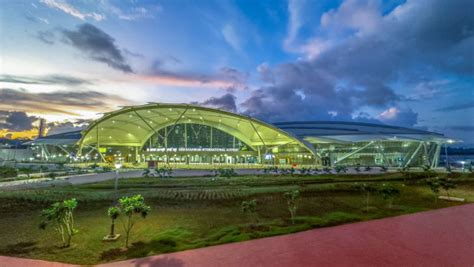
x: 379, y: 153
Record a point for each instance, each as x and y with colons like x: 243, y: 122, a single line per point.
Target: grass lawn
x: 196, y: 212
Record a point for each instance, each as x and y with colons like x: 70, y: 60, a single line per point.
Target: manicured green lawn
x: 196, y: 212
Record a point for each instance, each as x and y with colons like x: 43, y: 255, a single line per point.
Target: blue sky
x: 407, y: 63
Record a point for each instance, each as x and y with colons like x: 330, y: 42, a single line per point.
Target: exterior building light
x: 450, y: 141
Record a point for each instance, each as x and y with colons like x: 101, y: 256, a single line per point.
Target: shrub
x: 52, y: 175
x: 227, y: 173
x: 340, y: 169
x: 164, y: 172
x: 7, y: 172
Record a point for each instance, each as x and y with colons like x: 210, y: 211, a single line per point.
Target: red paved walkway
x: 436, y: 238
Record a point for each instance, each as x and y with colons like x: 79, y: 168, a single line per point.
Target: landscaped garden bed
x: 195, y: 212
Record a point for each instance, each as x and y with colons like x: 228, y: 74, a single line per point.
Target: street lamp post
x: 117, y: 168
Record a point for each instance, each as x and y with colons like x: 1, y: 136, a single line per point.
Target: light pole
x: 117, y: 168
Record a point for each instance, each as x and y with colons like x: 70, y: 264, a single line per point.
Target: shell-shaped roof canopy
x: 334, y: 131
x: 134, y: 125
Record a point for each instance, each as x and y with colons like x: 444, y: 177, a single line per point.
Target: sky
x: 406, y: 63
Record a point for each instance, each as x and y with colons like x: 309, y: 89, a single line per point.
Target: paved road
x: 99, y: 177
x: 442, y: 237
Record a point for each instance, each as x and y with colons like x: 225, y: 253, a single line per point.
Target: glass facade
x: 379, y: 153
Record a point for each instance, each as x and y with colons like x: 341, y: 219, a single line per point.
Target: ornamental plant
x: 427, y: 170
x: 227, y: 173
x: 249, y: 207
x: 389, y: 192
x: 434, y: 186
x: 146, y: 173
x: 113, y: 213
x: 130, y: 207
x: 292, y: 198
x: 60, y: 216
x: 405, y: 171
x: 447, y: 184
x: 366, y: 189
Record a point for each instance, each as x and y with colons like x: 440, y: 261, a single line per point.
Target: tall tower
x: 41, y: 128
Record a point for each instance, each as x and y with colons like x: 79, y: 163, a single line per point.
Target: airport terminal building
x: 182, y: 134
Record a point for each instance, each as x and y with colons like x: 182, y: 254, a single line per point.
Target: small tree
x: 389, y: 192
x: 146, y: 173
x: 447, y: 184
x: 131, y: 206
x: 469, y: 168
x: 52, y: 175
x: 61, y: 215
x: 405, y: 171
x: 27, y: 170
x: 449, y: 169
x: 427, y: 171
x: 113, y: 213
x: 366, y: 189
x: 249, y: 207
x: 434, y: 186
x: 292, y: 198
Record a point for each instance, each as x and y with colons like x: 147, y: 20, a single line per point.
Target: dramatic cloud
x: 224, y: 78
x: 53, y: 79
x: 401, y: 117
x: 46, y: 37
x: 295, y: 22
x: 365, y: 55
x: 133, y: 13
x: 58, y: 102
x: 67, y: 126
x: 457, y: 107
x: 225, y: 102
x: 98, y: 45
x: 16, y: 121
x: 231, y: 37
x: 69, y: 9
